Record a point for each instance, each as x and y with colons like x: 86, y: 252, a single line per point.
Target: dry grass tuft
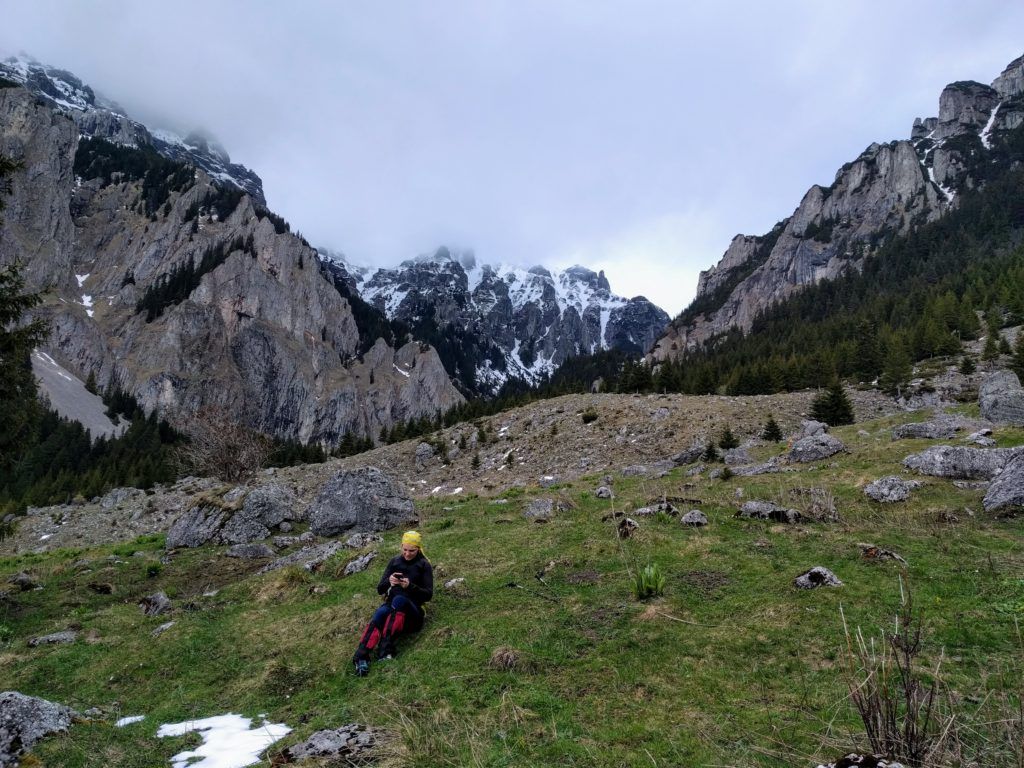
x: 277, y: 585
x: 506, y: 659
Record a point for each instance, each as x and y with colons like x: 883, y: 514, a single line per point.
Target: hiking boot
x: 362, y: 667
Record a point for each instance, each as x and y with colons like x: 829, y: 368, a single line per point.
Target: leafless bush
x: 219, y: 446
x: 911, y: 716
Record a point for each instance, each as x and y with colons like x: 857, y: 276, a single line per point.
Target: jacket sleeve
x: 424, y: 588
x: 383, y: 585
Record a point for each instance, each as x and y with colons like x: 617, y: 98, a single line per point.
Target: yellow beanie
x: 413, y: 538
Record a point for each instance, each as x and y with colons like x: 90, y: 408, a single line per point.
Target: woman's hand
x: 398, y: 581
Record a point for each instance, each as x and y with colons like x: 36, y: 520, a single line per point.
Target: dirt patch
x: 706, y: 581
x: 583, y: 577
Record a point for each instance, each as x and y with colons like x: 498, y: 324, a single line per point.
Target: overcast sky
x: 636, y: 137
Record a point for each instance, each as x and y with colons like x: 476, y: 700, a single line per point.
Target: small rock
x: 547, y: 481
x: 252, y: 551
x: 350, y: 744
x: 817, y: 577
x: 603, y: 492
x: 892, y: 488
x: 863, y: 433
x: 360, y: 563
x: 310, y: 558
x: 360, y: 540
x: 810, y: 428
x: 766, y: 510
x: 694, y: 471
x: 156, y: 604
x: 690, y: 455
x: 636, y: 470
x: 24, y: 582
x: 695, y: 518
x: 162, y: 628
x: 283, y: 542
x: 24, y: 720
x: 454, y: 583
x: 653, y: 509
x: 627, y: 527
x: 57, y: 638
x: 857, y: 760
x: 285, y: 527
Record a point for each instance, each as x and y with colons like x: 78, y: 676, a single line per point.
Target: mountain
x: 182, y: 289
x: 98, y: 117
x: 890, y: 190
x: 496, y: 323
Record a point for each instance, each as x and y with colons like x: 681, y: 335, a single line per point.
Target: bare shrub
x: 219, y: 446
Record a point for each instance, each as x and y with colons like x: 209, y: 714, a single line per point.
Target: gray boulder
x: 653, y: 509
x: 360, y: 540
x: 197, y: 526
x: 350, y: 744
x: 603, y: 492
x: 361, y: 563
x: 251, y: 551
x: 891, y: 488
x: 424, y: 453
x: 690, y: 455
x: 982, y: 437
x: 263, y: 508
x: 636, y: 470
x: 283, y: 542
x: 365, y: 498
x: 940, y: 429
x: 310, y: 558
x: 1002, y: 399
x: 694, y: 518
x: 817, y: 577
x: 961, y: 462
x: 736, y: 456
x: 56, y: 638
x: 24, y: 582
x: 539, y: 509
x: 1007, y: 490
x: 156, y: 604
x: 815, y: 448
x: 810, y: 428
x: 767, y: 467
x: 766, y: 510
x: 24, y: 720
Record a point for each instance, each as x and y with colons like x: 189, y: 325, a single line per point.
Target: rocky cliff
x: 189, y: 293
x: 102, y: 118
x: 509, y: 322
x: 888, y: 190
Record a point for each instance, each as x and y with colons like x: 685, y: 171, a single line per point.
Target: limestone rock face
x: 1007, y: 490
x: 24, y: 720
x: 890, y: 489
x: 365, y: 499
x: 960, y: 462
x: 264, y: 336
x: 889, y: 188
x: 1002, y: 399
x: 815, y: 448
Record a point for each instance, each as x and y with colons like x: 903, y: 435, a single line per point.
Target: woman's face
x: 409, y: 552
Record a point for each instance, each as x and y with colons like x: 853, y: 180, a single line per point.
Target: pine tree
x: 1004, y: 346
x: 475, y: 463
x: 897, y: 370
x: 772, y: 430
x: 991, y: 350
x: 833, y: 406
x: 967, y: 366
x: 728, y: 440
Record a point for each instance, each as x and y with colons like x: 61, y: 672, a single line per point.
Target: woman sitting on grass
x: 407, y: 583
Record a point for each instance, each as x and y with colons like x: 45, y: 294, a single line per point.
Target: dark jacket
x: 420, y: 575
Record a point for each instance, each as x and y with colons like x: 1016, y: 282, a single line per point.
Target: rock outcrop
x: 240, y: 516
x: 961, y: 463
x: 1007, y: 490
x: 1001, y: 398
x: 815, y: 448
x: 890, y: 489
x: 363, y: 499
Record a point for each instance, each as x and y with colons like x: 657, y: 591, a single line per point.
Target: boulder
x: 251, y: 551
x: 24, y: 720
x: 940, y: 429
x: 1002, y: 399
x: 197, y: 526
x: 56, y: 638
x: 694, y: 518
x: 365, y: 498
x: 349, y: 745
x: 961, y: 462
x: 539, y: 509
x: 982, y: 437
x: 118, y: 496
x: 1007, y: 490
x: 736, y: 456
x: 891, y: 488
x: 360, y: 563
x: 310, y: 558
x: 603, y: 492
x: 283, y: 542
x: 816, y: 577
x: 24, y: 582
x: 766, y: 510
x: 690, y: 455
x: 810, y: 428
x: 424, y: 453
x: 662, y: 506
x: 815, y: 447
x: 627, y: 527
x: 156, y: 604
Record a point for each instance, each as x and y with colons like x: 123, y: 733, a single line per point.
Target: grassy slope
x: 750, y: 675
